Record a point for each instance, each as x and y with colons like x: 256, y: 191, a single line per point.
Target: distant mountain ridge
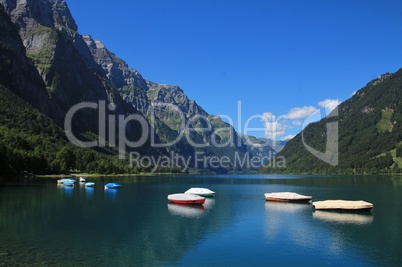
x: 370, y: 133
x: 56, y: 69
x: 145, y: 96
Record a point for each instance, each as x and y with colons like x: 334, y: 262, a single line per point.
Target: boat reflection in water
x: 344, y: 217
x: 111, y: 193
x: 188, y: 211
x: 89, y: 192
x: 191, y: 211
x: 287, y: 206
x: 289, y: 221
x: 67, y: 190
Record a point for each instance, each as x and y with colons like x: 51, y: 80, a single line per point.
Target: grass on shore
x: 94, y: 175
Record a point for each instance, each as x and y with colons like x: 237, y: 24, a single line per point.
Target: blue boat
x: 112, y: 185
x: 90, y: 184
x: 69, y: 183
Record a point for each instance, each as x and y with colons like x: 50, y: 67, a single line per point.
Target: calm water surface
x: 43, y: 224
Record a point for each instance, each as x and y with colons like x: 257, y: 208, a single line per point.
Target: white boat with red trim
x: 287, y: 197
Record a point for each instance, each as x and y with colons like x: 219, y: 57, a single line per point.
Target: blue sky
x: 281, y: 60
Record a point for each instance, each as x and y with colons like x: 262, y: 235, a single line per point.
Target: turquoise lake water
x: 43, y: 224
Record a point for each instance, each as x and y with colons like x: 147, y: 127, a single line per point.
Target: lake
x: 44, y: 224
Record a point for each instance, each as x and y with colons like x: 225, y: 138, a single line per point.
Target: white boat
x: 353, y: 205
x: 287, y: 197
x: 204, y: 192
x: 82, y: 180
x: 63, y: 180
x: 186, y: 199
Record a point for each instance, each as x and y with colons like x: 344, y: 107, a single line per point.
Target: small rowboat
x: 82, y: 180
x: 112, y: 186
x: 287, y: 197
x: 63, y: 180
x: 69, y: 183
x: 186, y: 199
x: 351, y: 205
x: 90, y: 184
x: 204, y: 192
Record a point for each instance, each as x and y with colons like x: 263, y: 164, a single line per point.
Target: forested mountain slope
x: 369, y: 133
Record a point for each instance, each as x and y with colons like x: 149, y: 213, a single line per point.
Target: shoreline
x: 94, y: 175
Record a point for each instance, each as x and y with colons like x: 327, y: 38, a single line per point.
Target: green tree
x: 399, y: 151
x: 66, y: 158
x: 395, y: 169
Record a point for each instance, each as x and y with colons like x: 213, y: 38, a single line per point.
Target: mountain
x: 72, y: 78
x: 29, y: 139
x: 170, y: 109
x: 369, y: 134
x: 60, y: 54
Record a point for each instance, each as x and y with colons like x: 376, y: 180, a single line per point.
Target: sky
x: 263, y: 64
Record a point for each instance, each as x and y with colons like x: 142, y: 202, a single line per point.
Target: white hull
x: 186, y: 199
x: 286, y: 197
x: 342, y: 205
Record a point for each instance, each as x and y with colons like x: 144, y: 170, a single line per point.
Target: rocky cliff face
x: 117, y: 71
x: 28, y: 14
x: 61, y: 57
x: 35, y: 19
x: 16, y: 70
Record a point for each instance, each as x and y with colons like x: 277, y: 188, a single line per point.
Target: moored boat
x: 348, y: 205
x: 63, y: 180
x: 204, y: 192
x: 82, y: 180
x: 287, y: 197
x: 182, y: 198
x: 69, y: 183
x: 112, y: 185
x: 89, y: 184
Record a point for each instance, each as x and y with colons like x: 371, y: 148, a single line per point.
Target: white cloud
x: 297, y: 123
x: 300, y: 113
x: 329, y: 104
x: 268, y: 116
x: 274, y: 129
x: 281, y: 126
